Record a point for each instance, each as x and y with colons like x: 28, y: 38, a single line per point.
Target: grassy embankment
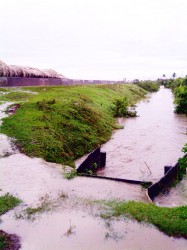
x: 61, y: 124
x: 7, y: 202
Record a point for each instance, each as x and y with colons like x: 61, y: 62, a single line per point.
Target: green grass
x: 3, y: 89
x: 172, y: 221
x: 8, y: 202
x: 17, y: 95
x: 61, y: 124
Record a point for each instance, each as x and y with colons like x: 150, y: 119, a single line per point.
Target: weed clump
x: 8, y: 202
x: 182, y: 165
x: 151, y: 86
x: 8, y: 241
x: 121, y: 108
x: 71, y: 174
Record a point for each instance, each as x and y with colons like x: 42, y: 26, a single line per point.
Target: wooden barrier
x: 117, y: 179
x: 97, y: 160
x: 170, y: 176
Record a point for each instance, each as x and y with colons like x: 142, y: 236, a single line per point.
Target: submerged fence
x: 97, y: 160
x: 171, y: 174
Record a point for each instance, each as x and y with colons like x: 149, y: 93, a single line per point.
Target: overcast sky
x: 99, y: 39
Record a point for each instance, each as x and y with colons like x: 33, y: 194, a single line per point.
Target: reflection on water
x: 148, y: 142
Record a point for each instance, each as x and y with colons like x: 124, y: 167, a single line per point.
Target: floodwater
x: 73, y: 222
x: 6, y: 147
x: 148, y: 142
x: 67, y: 230
x: 177, y: 196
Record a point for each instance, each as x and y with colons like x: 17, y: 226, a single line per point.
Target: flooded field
x: 139, y: 151
x: 76, y: 229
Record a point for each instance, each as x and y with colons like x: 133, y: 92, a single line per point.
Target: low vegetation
x: 179, y: 88
x: 151, y: 86
x: 7, y: 241
x: 182, y: 164
x: 8, y: 202
x: 3, y: 89
x: 17, y: 96
x: 172, y: 221
x: 12, y: 95
x: 121, y: 108
x: 70, y: 175
x: 61, y: 124
x: 181, y: 99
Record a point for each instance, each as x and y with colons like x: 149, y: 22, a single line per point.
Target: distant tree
x: 163, y: 75
x: 174, y: 75
x: 136, y: 80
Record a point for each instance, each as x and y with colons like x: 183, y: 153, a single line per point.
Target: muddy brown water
x: 51, y: 231
x: 148, y: 142
x: 177, y: 196
x: 75, y: 226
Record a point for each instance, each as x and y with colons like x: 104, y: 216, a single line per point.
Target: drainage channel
x: 96, y: 160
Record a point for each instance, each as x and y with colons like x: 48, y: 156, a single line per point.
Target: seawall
x: 29, y: 81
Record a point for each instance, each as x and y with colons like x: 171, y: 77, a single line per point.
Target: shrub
x: 150, y: 86
x: 120, y: 108
x: 181, y: 99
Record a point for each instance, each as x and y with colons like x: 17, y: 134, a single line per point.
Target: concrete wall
x: 3, y: 81
x: 28, y: 81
